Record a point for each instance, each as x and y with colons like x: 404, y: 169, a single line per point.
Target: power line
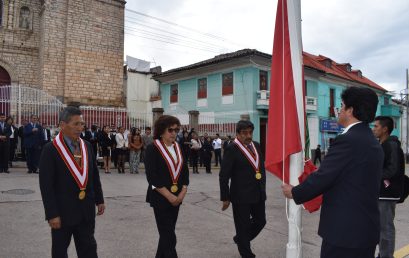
x: 167, y: 31
x: 165, y: 37
x: 181, y: 26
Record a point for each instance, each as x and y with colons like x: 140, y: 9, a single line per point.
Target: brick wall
x: 73, y: 50
x: 94, y: 52
x: 19, y: 47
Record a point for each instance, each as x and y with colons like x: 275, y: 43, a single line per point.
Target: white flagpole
x: 294, y: 245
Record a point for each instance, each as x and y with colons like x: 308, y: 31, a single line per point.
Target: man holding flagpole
x: 71, y: 188
x: 349, y: 179
x: 243, y: 166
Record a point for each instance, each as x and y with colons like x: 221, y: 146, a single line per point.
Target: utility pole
x: 407, y: 116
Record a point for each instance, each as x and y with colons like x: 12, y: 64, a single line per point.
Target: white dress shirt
x: 121, y: 141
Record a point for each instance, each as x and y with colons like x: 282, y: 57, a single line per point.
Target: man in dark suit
x: 33, y: 138
x: 227, y: 142
x: 243, y: 166
x: 46, y: 134
x: 349, y: 179
x: 21, y: 135
x: 5, y: 132
x: 70, y: 192
x: 317, y: 154
x: 93, y: 138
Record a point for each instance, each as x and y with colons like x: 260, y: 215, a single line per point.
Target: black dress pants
x: 4, y: 155
x: 166, y: 222
x: 330, y: 251
x: 207, y: 158
x: 218, y: 156
x: 33, y: 156
x: 249, y: 220
x: 84, y: 240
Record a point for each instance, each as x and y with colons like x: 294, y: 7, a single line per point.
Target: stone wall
x: 94, y: 52
x: 73, y: 49
x: 19, y: 46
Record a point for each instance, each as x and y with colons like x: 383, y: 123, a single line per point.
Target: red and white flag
x: 286, y: 108
x: 286, y: 116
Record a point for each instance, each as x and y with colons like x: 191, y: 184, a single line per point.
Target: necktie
x: 251, y: 149
x: 77, y: 152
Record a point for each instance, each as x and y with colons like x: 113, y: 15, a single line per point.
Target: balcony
x: 311, y: 103
x: 390, y: 110
x: 263, y: 97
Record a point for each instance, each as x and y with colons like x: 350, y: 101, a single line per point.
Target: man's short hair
x: 364, y: 102
x: 68, y: 112
x: 386, y: 121
x: 148, y: 128
x: 243, y: 125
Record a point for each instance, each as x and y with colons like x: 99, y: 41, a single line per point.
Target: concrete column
x: 245, y: 117
x: 156, y: 113
x: 194, y: 119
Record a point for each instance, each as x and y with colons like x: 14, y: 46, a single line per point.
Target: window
x: 331, y: 102
x: 202, y: 88
x: 263, y: 80
x: 386, y: 101
x: 227, y: 84
x: 174, y: 93
x: 24, y: 19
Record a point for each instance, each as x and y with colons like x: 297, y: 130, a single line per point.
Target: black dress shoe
x: 29, y: 172
x: 35, y: 172
x: 6, y: 171
x: 235, y: 239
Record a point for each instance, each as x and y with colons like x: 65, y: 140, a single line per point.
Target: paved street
x: 128, y: 229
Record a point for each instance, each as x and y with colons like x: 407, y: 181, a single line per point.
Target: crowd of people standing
x: 110, y: 144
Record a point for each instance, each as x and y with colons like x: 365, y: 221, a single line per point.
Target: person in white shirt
x: 121, y: 148
x: 194, y: 152
x: 217, y: 146
x: 13, y: 139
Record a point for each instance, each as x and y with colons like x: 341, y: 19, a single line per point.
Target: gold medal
x: 174, y: 188
x: 81, y: 195
x: 258, y: 175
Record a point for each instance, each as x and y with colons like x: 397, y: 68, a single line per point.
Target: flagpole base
x: 293, y: 251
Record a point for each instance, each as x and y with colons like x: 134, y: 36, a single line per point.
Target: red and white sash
x: 254, y: 159
x: 175, y: 166
x: 80, y: 173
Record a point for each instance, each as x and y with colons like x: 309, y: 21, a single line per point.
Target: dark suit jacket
x: 349, y: 179
x: 33, y: 139
x: 158, y: 175
x: 60, y: 191
x: 87, y: 136
x: 48, y: 135
x: 244, y: 187
x: 5, y: 132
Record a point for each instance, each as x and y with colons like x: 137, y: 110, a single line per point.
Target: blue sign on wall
x: 330, y: 126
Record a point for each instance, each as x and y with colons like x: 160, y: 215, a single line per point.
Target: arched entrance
x: 5, y: 80
x: 4, y: 77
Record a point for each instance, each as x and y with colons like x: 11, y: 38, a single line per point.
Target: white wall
x: 139, y: 89
x: 313, y: 126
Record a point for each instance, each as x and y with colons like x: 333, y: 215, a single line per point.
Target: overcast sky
x: 371, y: 35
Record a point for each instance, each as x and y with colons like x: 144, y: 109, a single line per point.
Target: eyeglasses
x: 171, y: 130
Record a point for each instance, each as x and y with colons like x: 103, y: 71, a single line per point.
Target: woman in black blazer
x: 106, y: 141
x: 168, y: 178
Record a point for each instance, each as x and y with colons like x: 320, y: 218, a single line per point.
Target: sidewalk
x: 128, y: 228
